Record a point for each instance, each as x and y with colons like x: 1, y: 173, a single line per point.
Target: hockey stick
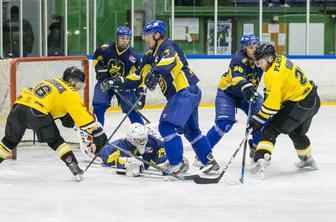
x: 146, y: 173
x: 206, y: 180
x: 242, y: 172
x: 130, y: 104
x: 164, y: 171
x: 121, y: 122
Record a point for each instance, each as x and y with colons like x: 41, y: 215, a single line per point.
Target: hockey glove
x: 99, y: 138
x: 249, y: 92
x: 67, y: 121
x: 134, y: 167
x: 152, y: 78
x: 141, y: 92
x: 256, y: 123
x: 102, y: 74
x: 117, y: 83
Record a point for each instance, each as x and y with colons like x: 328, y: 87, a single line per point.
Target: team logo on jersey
x: 253, y: 78
x: 163, y: 85
x: 116, y: 67
x: 132, y: 59
x: 156, y: 60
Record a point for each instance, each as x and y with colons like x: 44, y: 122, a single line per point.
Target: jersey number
x: 42, y: 90
x: 298, y: 73
x: 300, y: 76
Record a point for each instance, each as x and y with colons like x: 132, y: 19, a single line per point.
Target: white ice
x: 38, y: 187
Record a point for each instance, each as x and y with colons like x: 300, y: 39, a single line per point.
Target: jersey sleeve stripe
x: 267, y: 111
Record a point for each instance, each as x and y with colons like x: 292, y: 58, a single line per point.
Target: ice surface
x: 39, y: 188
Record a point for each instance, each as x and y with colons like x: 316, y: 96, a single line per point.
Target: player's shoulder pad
x: 106, y: 45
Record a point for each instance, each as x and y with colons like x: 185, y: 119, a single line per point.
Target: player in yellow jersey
x: 37, y: 107
x: 290, y: 103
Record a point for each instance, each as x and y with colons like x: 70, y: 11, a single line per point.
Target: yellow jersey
x: 57, y: 98
x: 284, y: 81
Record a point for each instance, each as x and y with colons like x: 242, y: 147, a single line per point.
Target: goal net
x: 16, y: 74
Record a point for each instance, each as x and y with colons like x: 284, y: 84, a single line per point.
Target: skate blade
x: 79, y: 177
x: 308, y: 168
x: 260, y: 175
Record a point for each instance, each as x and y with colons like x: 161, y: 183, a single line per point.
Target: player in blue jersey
x: 166, y: 65
x: 139, y: 141
x: 236, y: 87
x: 113, y: 62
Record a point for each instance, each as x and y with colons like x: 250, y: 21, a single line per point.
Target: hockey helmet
x: 264, y: 50
x: 123, y: 31
x: 155, y: 26
x: 247, y: 40
x: 74, y: 73
x: 137, y: 135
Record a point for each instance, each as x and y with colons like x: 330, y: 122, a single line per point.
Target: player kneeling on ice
x: 291, y: 101
x: 139, y: 141
x: 37, y: 107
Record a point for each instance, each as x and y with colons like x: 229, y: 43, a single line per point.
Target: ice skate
x: 260, y: 166
x: 212, y: 165
x: 306, y: 163
x: 252, y: 149
x: 179, y: 168
x: 197, y: 163
x: 76, y: 171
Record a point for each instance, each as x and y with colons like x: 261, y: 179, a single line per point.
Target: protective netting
x: 29, y: 73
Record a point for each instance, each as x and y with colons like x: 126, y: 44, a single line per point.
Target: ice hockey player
x: 37, y: 107
x: 140, y: 142
x: 114, y: 62
x: 236, y: 88
x: 290, y: 103
x: 165, y: 64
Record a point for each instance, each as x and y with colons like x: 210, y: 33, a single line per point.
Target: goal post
x: 19, y: 73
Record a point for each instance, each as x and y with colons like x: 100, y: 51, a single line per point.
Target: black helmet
x: 264, y: 50
x: 74, y: 73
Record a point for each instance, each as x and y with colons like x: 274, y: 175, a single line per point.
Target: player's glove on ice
x: 256, y: 123
x: 249, y: 92
x: 152, y: 78
x: 99, y: 138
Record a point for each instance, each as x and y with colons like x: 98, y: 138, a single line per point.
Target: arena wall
x: 320, y: 69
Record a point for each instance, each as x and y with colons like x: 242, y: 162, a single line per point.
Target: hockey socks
x: 135, y: 117
x: 215, y: 134
x: 171, y: 142
x: 201, y: 147
x: 99, y: 111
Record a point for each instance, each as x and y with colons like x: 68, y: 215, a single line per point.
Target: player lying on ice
x: 37, y: 107
x: 291, y: 101
x: 140, y: 141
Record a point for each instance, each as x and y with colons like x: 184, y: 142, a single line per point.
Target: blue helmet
x: 155, y: 26
x: 247, y: 40
x: 123, y: 31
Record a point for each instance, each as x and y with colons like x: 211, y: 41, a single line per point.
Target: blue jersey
x: 240, y: 71
x: 117, y: 63
x: 169, y: 60
x: 154, y: 152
